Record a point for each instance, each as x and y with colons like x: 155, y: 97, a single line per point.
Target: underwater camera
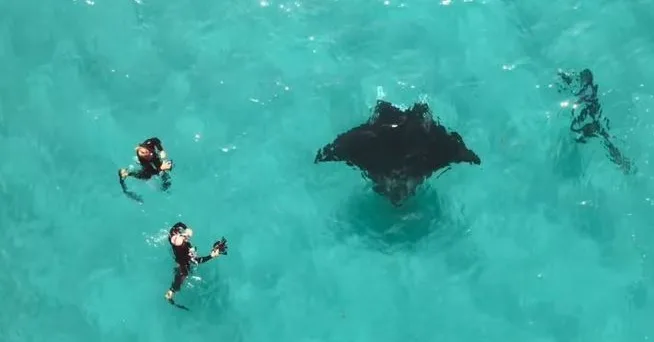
x: 221, y: 246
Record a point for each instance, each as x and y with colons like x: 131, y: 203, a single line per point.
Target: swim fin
x: 172, y: 302
x: 129, y: 194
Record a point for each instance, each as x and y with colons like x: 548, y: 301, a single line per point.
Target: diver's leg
x: 122, y: 175
x: 165, y: 181
x: 181, y: 272
x: 180, y: 275
x: 616, y: 156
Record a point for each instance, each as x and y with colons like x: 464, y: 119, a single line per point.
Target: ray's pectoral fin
x: 468, y: 156
x: 327, y: 154
x: 348, y: 146
x: 464, y: 154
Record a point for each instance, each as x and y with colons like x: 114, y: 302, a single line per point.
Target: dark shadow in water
x: 637, y: 295
x: 567, y: 159
x: 427, y: 222
x: 589, y: 210
x: 387, y: 227
x: 595, y: 219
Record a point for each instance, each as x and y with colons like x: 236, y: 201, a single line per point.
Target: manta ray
x: 398, y: 150
x: 587, y: 119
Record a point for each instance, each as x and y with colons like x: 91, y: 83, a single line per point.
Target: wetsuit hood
x: 149, y: 145
x: 177, y: 228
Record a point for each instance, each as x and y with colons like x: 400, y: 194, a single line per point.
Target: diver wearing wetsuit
x: 587, y: 119
x: 152, y: 157
x: 185, y: 255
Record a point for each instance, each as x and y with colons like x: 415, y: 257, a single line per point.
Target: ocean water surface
x: 545, y: 241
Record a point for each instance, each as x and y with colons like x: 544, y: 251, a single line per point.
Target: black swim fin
x: 172, y: 302
x: 129, y: 194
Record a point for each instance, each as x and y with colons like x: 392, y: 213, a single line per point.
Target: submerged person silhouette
x: 587, y: 119
x: 179, y: 238
x: 153, y: 160
x: 397, y: 150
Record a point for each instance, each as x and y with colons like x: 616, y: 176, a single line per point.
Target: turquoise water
x: 545, y: 241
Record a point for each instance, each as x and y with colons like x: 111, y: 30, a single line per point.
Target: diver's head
x: 144, y: 153
x: 183, y: 235
x: 187, y: 233
x: 586, y: 76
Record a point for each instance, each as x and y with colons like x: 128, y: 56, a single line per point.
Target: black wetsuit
x: 184, y: 258
x: 152, y: 166
x: 587, y: 118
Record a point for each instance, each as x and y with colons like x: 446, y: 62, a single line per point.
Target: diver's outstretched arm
x: 216, y: 252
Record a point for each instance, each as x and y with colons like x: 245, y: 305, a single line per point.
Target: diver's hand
x: 166, y: 165
x: 215, y: 253
x: 123, y: 173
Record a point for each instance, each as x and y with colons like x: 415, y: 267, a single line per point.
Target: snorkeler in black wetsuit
x: 588, y: 120
x: 185, y: 256
x: 152, y: 157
